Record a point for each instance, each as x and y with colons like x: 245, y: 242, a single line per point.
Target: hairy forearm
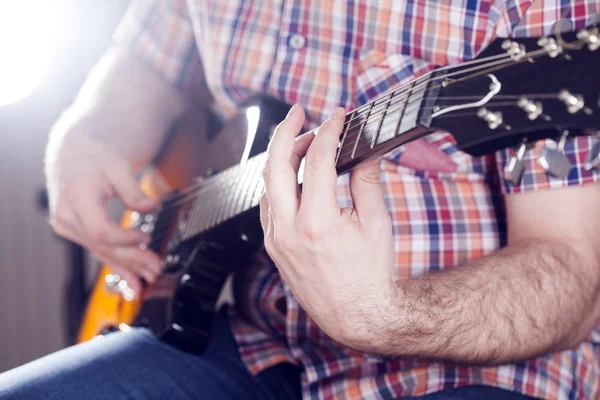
x: 530, y: 298
x: 125, y: 105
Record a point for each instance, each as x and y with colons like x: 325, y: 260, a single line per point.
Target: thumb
x: 366, y: 191
x: 128, y: 190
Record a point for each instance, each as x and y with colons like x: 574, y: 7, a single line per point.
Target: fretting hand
x: 337, y: 262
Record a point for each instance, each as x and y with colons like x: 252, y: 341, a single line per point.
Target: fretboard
x: 369, y: 131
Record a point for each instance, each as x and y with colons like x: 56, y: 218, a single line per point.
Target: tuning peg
x: 573, y: 102
x: 514, y: 170
x: 591, y: 37
x: 494, y: 119
x: 593, y: 159
x: 533, y: 108
x: 554, y: 161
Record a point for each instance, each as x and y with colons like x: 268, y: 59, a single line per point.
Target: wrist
x: 376, y: 322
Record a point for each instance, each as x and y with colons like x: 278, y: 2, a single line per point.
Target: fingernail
x: 293, y: 110
x: 337, y: 112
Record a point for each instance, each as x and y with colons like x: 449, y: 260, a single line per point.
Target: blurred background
x: 46, y: 49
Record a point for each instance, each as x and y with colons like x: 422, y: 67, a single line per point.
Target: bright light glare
x: 28, y: 30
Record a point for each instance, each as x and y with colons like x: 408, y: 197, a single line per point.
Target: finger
x: 131, y: 277
x: 142, y: 259
x: 264, y: 213
x: 125, y: 186
x: 133, y: 259
x: 280, y: 178
x: 301, y: 146
x: 366, y: 191
x: 93, y: 217
x: 319, y: 183
x: 423, y: 156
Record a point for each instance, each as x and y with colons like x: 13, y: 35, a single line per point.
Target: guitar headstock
x: 518, y: 91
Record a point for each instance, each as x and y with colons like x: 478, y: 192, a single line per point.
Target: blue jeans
x: 137, y: 366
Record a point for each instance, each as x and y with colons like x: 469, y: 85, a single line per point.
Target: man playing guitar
x: 423, y: 273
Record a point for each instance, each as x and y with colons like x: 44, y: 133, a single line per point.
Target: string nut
x: 551, y: 46
x: 591, y: 37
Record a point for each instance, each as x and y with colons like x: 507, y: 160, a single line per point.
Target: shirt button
x: 297, y: 41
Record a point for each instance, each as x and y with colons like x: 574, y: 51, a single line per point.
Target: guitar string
x: 176, y: 201
x: 399, y: 91
x: 225, y: 188
x: 364, y: 107
x: 491, y: 104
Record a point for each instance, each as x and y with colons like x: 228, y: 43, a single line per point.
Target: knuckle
x: 311, y: 229
x: 372, y: 177
x: 281, y: 242
x: 313, y: 156
x: 267, y: 170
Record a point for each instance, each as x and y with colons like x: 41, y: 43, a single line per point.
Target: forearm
x: 519, y: 302
x: 124, y: 105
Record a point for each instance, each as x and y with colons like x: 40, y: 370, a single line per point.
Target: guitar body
x: 192, y: 149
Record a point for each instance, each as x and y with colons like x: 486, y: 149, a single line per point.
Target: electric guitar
x: 516, y: 92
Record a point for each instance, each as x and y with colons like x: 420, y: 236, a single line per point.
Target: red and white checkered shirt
x: 324, y: 54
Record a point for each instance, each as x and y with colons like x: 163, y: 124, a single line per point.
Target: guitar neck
x: 369, y: 131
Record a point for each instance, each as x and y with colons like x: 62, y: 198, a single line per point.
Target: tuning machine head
x: 551, y: 46
x: 515, y: 50
x: 513, y: 172
x: 493, y: 119
x: 533, y: 108
x: 574, y: 102
x: 554, y: 161
x: 593, y: 159
x: 591, y: 37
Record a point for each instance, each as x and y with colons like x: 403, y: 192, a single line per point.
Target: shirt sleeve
x: 160, y: 33
x: 534, y: 176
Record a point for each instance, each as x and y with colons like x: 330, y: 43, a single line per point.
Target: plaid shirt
x: 343, y: 53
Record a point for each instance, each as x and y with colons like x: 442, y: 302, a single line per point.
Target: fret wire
x: 387, y: 105
x: 241, y: 180
x: 256, y: 179
x: 411, y: 104
x: 337, y: 157
x: 232, y: 190
x: 217, y: 198
x: 362, y: 127
x: 192, y: 216
x: 372, y: 114
x: 228, y: 193
x: 202, y: 214
x: 246, y: 181
x: 222, y: 198
x: 203, y: 211
x: 401, y: 114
